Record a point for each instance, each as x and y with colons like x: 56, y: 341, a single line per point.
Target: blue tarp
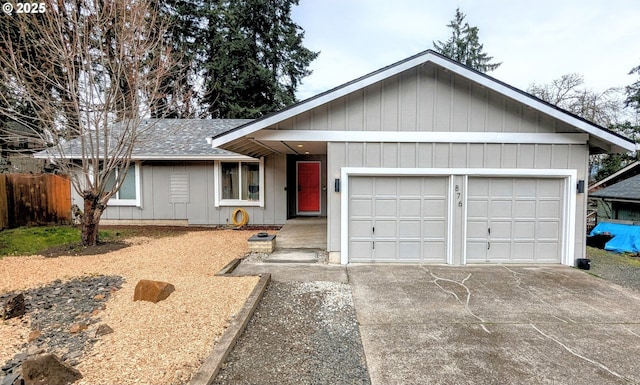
x: 626, y: 238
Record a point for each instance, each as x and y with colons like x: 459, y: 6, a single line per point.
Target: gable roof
x: 628, y: 189
x: 615, y: 141
x: 625, y: 172
x: 170, y: 139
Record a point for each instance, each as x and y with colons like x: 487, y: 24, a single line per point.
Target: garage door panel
x: 385, y: 250
x: 434, y: 251
x: 404, y: 211
x: 501, y: 188
x: 524, y: 215
x: 410, y: 250
x: 549, y: 188
x: 477, y: 208
x: 386, y: 186
x: 410, y: 207
x: 362, y: 205
x: 546, y: 229
x: 500, y: 229
x: 360, y: 228
x: 525, y: 188
x: 548, y: 250
x: 385, y: 207
x: 500, y: 251
x: 385, y: 228
x: 524, y: 209
x: 523, y: 248
x: 434, y: 208
x: 360, y: 250
x: 361, y: 186
x: 409, y: 187
x: 476, y: 251
x: 434, y: 229
x: 477, y: 229
x: 409, y: 228
x: 435, y: 187
x: 480, y: 189
x: 524, y: 229
x: 500, y: 209
x: 548, y: 209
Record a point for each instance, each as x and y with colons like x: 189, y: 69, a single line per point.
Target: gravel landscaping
x: 162, y: 343
x: 301, y: 333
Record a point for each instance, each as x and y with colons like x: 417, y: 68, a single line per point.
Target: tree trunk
x: 92, y: 212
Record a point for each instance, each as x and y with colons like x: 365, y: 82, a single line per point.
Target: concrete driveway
x: 424, y: 324
x: 495, y: 325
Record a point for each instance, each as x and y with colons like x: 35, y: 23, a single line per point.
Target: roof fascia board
x: 419, y: 137
x: 168, y: 157
x: 534, y: 103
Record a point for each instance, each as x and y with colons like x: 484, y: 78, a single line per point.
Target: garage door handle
x: 488, y: 245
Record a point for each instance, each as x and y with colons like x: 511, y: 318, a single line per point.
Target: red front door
x: 308, y: 187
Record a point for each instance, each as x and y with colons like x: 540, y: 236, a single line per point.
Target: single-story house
x: 425, y: 161
x: 619, y: 201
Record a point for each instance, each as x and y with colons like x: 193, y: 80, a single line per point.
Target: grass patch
x: 33, y: 240
x: 622, y: 259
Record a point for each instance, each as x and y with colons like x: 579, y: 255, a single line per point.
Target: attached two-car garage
x: 457, y: 219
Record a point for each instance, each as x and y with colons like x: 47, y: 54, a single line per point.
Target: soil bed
x: 163, y: 343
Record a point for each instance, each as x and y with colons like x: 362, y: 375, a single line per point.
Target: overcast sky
x: 536, y: 40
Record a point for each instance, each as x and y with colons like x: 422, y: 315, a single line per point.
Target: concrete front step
x: 293, y: 256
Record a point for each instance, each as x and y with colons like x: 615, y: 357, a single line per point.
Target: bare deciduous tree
x: 568, y: 92
x: 87, y: 70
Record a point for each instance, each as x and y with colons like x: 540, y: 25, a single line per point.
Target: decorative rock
x: 34, y: 335
x: 99, y: 297
x: 48, y: 369
x: 103, y: 330
x: 76, y: 328
x: 152, y: 291
x: 14, y: 307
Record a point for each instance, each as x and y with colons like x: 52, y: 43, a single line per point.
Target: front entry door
x: 308, y: 181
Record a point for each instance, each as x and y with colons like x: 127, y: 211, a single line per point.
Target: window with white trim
x: 240, y: 183
x: 129, y: 192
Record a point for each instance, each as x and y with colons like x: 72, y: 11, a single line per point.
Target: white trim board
x: 570, y: 176
x: 420, y: 137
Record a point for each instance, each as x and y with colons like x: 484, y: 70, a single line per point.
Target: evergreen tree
x: 185, y: 36
x: 464, y: 45
x: 633, y: 92
x: 255, y: 58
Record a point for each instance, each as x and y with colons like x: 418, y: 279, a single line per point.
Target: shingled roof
x: 171, y: 139
x: 628, y: 189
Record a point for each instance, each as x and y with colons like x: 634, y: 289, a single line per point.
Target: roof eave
x: 617, y: 142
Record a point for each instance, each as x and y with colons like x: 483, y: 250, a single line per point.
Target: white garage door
x: 514, y: 220
x: 398, y: 219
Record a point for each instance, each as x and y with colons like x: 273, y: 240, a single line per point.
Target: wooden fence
x: 33, y: 199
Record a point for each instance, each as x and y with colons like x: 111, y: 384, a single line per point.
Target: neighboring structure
x: 16, y: 150
x: 619, y: 201
x: 176, y: 178
x: 430, y: 161
x: 628, y: 171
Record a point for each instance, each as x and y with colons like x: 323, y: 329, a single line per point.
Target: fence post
x: 4, y: 209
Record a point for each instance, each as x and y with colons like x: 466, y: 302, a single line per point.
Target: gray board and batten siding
x: 430, y: 100
x: 165, y: 199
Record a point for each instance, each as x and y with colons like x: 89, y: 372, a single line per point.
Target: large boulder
x: 152, y: 291
x: 13, y: 307
x: 48, y: 369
